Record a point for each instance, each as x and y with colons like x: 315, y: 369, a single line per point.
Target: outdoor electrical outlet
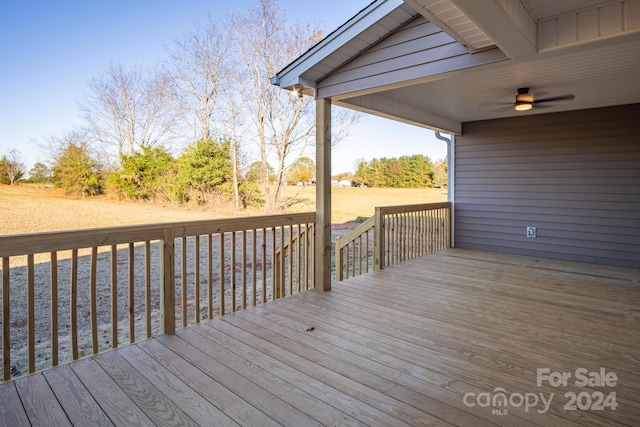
x: 531, y: 232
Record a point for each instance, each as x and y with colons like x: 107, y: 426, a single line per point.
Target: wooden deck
x: 433, y: 341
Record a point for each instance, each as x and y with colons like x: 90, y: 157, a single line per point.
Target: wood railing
x: 408, y: 231
x: 392, y: 235
x: 292, y: 271
x: 354, y: 251
x: 123, y: 284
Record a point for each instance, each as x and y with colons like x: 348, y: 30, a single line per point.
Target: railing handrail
x: 393, y: 209
x: 342, y: 241
x: 20, y: 244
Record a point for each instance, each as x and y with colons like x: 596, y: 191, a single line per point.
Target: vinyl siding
x: 574, y: 176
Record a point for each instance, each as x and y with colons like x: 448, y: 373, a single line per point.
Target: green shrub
x: 76, y: 172
x: 142, y: 175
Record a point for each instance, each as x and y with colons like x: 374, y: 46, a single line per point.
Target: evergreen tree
x: 204, y: 169
x: 143, y: 174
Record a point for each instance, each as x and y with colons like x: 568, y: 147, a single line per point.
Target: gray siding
x: 575, y: 176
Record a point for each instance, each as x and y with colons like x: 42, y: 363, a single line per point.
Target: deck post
x: 323, y: 195
x: 168, y: 285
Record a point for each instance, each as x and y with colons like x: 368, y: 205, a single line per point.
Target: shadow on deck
x: 452, y: 338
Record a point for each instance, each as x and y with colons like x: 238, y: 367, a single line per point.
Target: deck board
x: 75, y: 399
x: 401, y: 346
x: 39, y: 401
x: 12, y: 412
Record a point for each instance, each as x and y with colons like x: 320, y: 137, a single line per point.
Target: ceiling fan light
x: 523, y: 106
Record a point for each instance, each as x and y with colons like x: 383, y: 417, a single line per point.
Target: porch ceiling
x: 588, y: 48
x: 598, y: 76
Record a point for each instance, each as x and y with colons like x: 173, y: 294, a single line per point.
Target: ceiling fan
x: 525, y: 100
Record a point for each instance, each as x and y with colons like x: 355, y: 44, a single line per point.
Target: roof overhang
x: 371, y: 24
x: 439, y: 63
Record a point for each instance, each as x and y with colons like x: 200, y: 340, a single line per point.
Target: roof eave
x: 291, y: 77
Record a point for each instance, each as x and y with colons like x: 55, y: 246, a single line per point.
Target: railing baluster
x: 281, y: 272
x: 132, y: 306
x: 210, y: 276
x: 412, y: 246
x: 222, y: 263
x: 274, y: 275
x: 183, y: 281
x: 366, y: 250
x: 346, y: 267
x: 290, y: 250
x: 395, y: 234
x: 435, y: 229
x: 196, y: 279
x: 423, y: 234
x: 264, y: 265
x: 307, y: 261
x: 233, y: 271
x: 31, y: 327
x: 406, y: 235
x: 73, y: 304
x: 6, y: 320
x: 299, y: 260
x: 147, y: 287
x: 303, y: 257
x: 353, y: 258
x: 114, y: 296
x: 360, y: 254
x: 254, y: 257
x: 449, y: 227
x: 93, y: 276
x: 244, y: 269
x: 339, y: 252
x: 54, y: 308
x: 402, y: 230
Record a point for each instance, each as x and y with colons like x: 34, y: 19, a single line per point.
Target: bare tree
x: 12, y: 167
x: 281, y: 123
x: 198, y: 67
x: 129, y: 109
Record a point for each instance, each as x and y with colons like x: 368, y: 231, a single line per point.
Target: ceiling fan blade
x: 555, y: 98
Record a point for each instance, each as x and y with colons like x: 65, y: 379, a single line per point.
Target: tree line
x: 416, y: 171
x: 195, y: 124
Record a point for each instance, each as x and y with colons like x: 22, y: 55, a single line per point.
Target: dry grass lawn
x: 350, y: 203
x: 29, y: 209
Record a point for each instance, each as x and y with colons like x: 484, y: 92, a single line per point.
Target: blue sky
x: 49, y: 50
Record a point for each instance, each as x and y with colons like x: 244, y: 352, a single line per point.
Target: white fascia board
x: 292, y: 74
x: 515, y: 32
x: 389, y: 108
